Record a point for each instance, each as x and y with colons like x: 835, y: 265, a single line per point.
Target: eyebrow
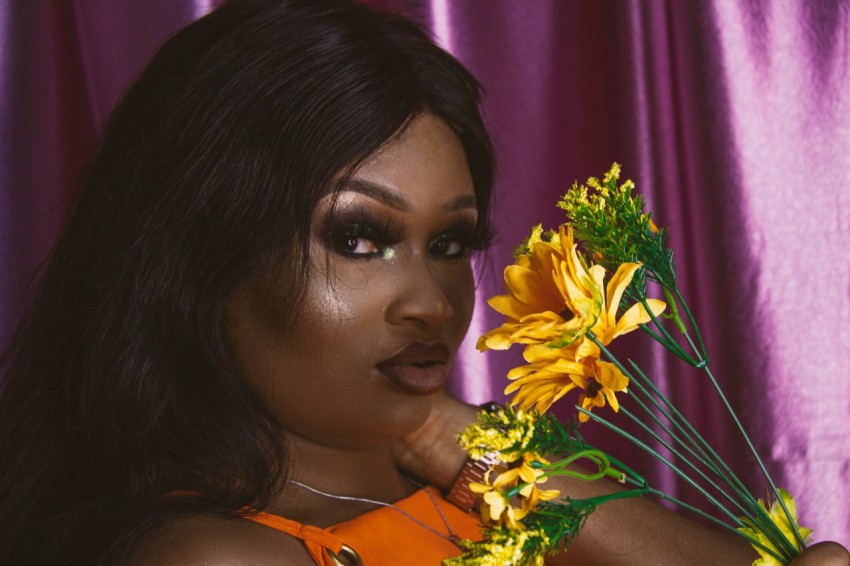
x: 394, y: 200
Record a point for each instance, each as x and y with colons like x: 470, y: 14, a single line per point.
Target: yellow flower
x: 495, y: 507
x: 532, y: 478
x: 552, y: 296
x: 777, y: 515
x: 553, y: 300
x: 608, y: 326
x: 550, y: 375
x: 503, y: 432
x: 607, y: 380
x: 613, y: 174
x: 503, y: 547
x: 553, y: 372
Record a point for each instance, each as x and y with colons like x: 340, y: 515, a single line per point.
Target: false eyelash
x: 358, y: 222
x: 461, y: 231
x: 466, y: 231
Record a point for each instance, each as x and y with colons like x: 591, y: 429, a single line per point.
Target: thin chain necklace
x: 451, y: 537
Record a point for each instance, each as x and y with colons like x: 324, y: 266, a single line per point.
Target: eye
x: 450, y: 246
x: 353, y: 245
x: 360, y: 236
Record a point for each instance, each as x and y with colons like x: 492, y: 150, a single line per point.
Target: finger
x: 826, y: 553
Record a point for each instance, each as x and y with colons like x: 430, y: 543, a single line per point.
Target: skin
x: 646, y: 533
x: 341, y: 413
x: 320, y: 376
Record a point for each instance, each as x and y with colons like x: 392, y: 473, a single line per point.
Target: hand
x: 823, y: 554
x: 432, y: 453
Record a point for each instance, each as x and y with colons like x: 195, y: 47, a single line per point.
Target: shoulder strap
x: 316, y: 540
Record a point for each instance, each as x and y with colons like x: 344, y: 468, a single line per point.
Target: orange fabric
x: 385, y: 536
x: 316, y: 540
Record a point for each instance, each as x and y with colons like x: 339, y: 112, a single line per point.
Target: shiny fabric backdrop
x: 733, y: 117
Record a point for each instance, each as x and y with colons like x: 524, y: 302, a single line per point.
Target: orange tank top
x: 385, y: 536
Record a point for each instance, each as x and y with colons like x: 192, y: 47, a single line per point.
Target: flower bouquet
x: 570, y: 294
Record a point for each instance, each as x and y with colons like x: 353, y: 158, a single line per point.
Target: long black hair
x: 117, y: 388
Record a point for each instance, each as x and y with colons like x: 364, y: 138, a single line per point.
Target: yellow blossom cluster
x: 521, y: 481
x: 780, y: 519
x: 503, y: 547
x: 503, y: 433
x: 554, y: 304
x: 611, y: 221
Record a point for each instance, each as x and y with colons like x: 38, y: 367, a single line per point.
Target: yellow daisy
x: 496, y: 508
x: 607, y: 326
x: 553, y: 372
x: 532, y: 478
x: 552, y: 296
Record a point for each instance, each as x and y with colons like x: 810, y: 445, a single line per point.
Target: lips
x: 420, y: 368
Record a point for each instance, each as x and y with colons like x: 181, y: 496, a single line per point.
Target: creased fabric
x: 733, y: 118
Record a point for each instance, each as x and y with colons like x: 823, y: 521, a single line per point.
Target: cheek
x: 459, y: 288
x: 350, y: 298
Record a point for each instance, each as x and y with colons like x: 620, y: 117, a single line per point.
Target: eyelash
x: 462, y: 237
x: 346, y: 231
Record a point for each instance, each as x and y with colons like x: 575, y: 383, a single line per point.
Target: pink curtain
x: 733, y: 118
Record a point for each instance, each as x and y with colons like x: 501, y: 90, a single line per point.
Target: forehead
x: 426, y: 161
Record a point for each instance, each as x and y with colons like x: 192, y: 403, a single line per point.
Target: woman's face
x: 389, y: 298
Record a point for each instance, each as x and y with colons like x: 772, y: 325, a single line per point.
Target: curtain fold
x: 733, y: 118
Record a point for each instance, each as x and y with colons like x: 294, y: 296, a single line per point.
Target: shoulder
x: 216, y: 541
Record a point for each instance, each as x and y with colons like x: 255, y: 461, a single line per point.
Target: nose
x: 420, y: 297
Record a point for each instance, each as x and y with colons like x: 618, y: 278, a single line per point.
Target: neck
x: 365, y: 472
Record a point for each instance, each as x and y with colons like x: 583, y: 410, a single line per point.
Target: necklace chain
x: 452, y: 536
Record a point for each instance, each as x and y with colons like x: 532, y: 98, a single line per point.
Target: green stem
x: 668, y: 337
x: 653, y: 395
x: 601, y: 499
x: 713, y: 519
x: 766, y: 523
x: 674, y: 310
x: 657, y: 455
x: 739, y: 500
x: 667, y: 340
x: 728, y: 475
x: 681, y: 435
x: 559, y: 468
x: 684, y: 459
x: 603, y: 466
x: 672, y: 347
x: 693, y: 323
x: 758, y: 514
x: 800, y: 542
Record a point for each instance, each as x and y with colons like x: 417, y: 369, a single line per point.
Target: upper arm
x: 216, y: 541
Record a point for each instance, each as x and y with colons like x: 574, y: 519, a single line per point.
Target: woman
x: 249, y: 320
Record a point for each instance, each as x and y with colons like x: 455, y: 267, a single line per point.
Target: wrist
x: 432, y: 453
x: 474, y: 471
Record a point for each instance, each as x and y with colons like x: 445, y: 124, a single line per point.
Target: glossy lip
x: 420, y: 368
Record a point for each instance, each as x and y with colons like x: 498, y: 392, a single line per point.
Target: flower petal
x: 530, y: 288
x: 617, y: 286
x: 636, y: 315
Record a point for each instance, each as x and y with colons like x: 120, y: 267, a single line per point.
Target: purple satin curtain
x: 733, y: 118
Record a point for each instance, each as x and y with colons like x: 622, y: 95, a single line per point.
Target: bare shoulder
x: 216, y: 541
